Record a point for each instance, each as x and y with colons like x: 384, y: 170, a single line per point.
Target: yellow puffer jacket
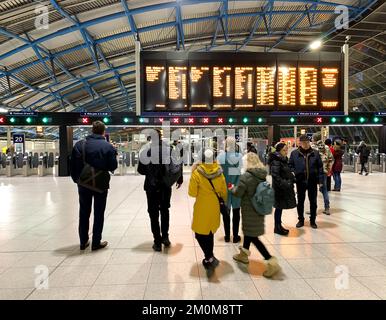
x: 206, y: 214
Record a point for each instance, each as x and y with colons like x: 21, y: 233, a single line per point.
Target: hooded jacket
x: 206, y: 213
x: 325, y: 155
x: 252, y: 222
x: 231, y: 164
x: 282, y: 182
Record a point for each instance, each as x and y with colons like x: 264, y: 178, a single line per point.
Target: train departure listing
x: 222, y: 87
x: 200, y: 88
x: 265, y: 86
x: 308, y: 86
x: 287, y: 86
x: 155, y: 90
x: 244, y: 87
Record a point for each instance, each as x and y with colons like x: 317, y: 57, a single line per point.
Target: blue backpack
x: 263, y: 199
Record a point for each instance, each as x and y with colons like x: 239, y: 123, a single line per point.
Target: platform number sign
x: 19, y: 141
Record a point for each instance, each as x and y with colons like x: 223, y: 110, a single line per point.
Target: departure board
x: 308, y: 86
x: 155, y: 93
x: 222, y: 88
x: 200, y: 87
x: 177, y: 84
x: 244, y: 88
x: 227, y: 82
x: 287, y: 86
x: 265, y: 86
x: 329, y: 87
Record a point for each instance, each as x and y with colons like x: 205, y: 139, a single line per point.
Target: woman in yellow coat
x: 206, y: 214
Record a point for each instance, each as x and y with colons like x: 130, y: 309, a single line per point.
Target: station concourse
x: 217, y: 79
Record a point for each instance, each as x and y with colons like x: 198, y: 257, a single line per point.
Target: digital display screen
x: 241, y: 82
x: 200, y: 88
x: 222, y: 88
x: 329, y: 87
x: 287, y: 86
x: 177, y: 84
x: 308, y: 86
x: 155, y: 87
x: 265, y: 86
x: 244, y: 88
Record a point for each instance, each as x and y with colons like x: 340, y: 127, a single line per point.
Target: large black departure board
x: 226, y: 81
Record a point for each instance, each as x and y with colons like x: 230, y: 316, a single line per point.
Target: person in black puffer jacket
x: 153, y: 158
x: 364, y: 153
x: 282, y: 184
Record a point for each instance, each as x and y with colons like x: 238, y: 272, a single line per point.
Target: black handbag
x: 223, y: 207
x: 91, y: 178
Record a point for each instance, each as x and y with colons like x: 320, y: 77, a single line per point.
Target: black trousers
x: 311, y: 187
x: 235, y: 223
x: 328, y: 183
x: 206, y: 243
x: 259, y: 245
x: 363, y: 167
x: 85, y: 203
x: 158, y: 204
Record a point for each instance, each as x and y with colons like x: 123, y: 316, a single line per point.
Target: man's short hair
x: 98, y: 127
x: 304, y: 138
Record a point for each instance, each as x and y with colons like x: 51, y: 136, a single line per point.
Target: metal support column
x: 65, y: 149
x: 382, y: 139
x: 273, y: 134
x: 9, y: 136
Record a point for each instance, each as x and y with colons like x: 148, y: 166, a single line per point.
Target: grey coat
x: 252, y: 222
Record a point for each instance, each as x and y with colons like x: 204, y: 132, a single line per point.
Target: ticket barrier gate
x: 46, y: 164
x: 14, y: 165
x: 56, y: 165
x: 350, y: 162
x: 378, y: 162
x: 30, y: 164
x: 127, y: 163
x: 3, y: 164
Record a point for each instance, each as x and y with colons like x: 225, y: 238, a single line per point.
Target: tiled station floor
x: 344, y: 259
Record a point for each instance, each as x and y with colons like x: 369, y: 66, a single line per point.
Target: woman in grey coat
x: 252, y: 222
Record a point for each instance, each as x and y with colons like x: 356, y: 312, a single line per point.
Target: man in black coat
x: 102, y: 156
x: 307, y: 166
x: 364, y: 153
x: 152, y: 163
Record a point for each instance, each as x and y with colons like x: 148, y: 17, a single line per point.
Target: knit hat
x: 303, y: 138
x: 279, y: 146
x: 317, y: 136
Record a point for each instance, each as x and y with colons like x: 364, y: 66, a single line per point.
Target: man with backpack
x: 307, y: 166
x: 91, y: 161
x: 160, y: 163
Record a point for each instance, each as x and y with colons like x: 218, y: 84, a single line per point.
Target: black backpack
x: 91, y: 178
x: 173, y: 170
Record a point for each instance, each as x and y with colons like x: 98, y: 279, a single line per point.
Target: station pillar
x: 273, y: 134
x: 9, y: 136
x: 382, y: 139
x: 65, y: 149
